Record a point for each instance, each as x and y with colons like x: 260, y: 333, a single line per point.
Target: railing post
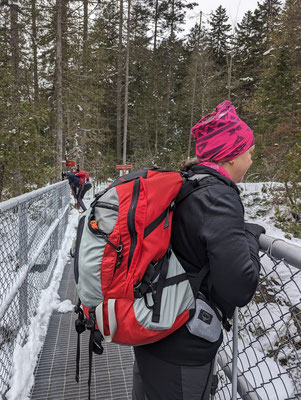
x: 235, y: 354
x: 23, y: 260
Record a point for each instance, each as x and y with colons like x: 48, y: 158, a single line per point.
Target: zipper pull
x: 170, y: 209
x: 166, y: 222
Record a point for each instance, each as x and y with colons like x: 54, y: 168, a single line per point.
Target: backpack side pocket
x: 206, y: 322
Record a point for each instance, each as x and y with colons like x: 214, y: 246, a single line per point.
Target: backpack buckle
x: 90, y: 322
x: 137, y: 291
x: 80, y: 326
x: 78, y: 309
x: 153, y: 292
x: 80, y: 323
x: 226, y: 324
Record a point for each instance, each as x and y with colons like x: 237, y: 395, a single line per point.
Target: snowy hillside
x: 259, y: 208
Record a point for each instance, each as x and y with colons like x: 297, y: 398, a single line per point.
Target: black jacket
x: 208, y: 228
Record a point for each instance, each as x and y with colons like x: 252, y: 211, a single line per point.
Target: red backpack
x: 132, y: 288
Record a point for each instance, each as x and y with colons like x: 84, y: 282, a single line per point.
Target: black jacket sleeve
x: 232, y: 253
x: 253, y: 244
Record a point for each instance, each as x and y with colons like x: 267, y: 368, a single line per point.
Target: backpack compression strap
x: 111, y: 318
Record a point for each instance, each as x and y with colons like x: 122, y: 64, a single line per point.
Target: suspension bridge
x: 259, y: 359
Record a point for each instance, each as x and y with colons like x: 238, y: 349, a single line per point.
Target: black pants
x: 82, y: 191
x: 155, y: 379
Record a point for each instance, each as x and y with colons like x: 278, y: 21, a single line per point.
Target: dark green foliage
x: 173, y: 82
x: 219, y: 35
x: 251, y: 42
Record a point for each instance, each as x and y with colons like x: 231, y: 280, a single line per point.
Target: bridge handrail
x: 27, y: 267
x: 281, y: 249
x: 32, y: 228
x: 15, y: 201
x: 280, y: 253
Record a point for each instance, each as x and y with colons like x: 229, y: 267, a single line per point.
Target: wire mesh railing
x: 266, y: 333
x: 32, y: 226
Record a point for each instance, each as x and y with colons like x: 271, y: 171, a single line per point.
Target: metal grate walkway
x: 55, y: 372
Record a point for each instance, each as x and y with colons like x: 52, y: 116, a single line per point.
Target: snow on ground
x: 25, y: 358
x: 275, y: 311
x: 278, y: 386
x: 258, y: 210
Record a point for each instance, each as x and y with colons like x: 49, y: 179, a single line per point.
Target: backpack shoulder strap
x: 191, y: 184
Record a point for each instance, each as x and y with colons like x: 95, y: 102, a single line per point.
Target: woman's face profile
x: 240, y: 165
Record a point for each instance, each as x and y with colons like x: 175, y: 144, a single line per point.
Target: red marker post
x: 124, y: 168
x: 70, y: 163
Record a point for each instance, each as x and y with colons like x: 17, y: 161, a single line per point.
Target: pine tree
x: 23, y: 155
x: 244, y: 61
x: 174, y: 14
x: 282, y: 86
x: 201, y: 71
x: 140, y: 145
x: 276, y: 103
x: 6, y: 82
x: 90, y: 93
x: 219, y: 35
x: 219, y: 40
x: 120, y: 58
x: 251, y: 44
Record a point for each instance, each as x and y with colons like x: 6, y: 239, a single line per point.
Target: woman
x: 208, y: 229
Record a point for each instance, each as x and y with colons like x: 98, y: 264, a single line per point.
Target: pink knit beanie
x: 222, y: 135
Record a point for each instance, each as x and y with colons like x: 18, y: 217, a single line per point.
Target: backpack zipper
x: 131, y: 220
x: 109, y: 206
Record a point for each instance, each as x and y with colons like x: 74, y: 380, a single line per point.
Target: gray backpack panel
x: 107, y: 217
x: 175, y: 299
x: 91, y: 250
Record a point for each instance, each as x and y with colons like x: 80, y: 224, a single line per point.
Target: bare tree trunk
x: 2, y: 171
x: 14, y: 44
x: 64, y: 62
x: 156, y: 26
x: 35, y: 51
x: 59, y: 102
x: 197, y: 50
x: 85, y: 70
x: 126, y: 95
x: 168, y: 94
x: 119, y: 85
x: 153, y: 104
x: 203, y: 101
x: 68, y: 130
x: 229, y: 59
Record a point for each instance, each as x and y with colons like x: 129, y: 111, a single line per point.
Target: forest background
x: 105, y: 82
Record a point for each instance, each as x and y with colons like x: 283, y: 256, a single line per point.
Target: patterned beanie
x: 222, y: 135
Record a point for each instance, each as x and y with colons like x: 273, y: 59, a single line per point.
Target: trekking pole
x: 235, y: 354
